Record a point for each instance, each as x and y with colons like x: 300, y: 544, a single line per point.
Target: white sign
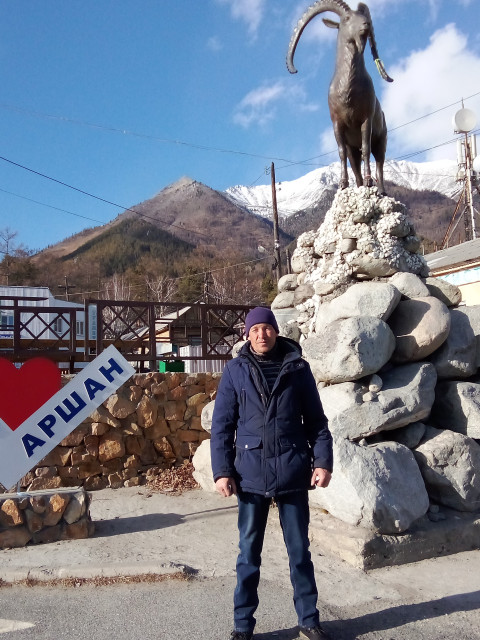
x: 22, y: 449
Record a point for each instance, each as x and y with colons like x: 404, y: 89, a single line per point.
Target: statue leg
x: 381, y: 186
x: 366, y: 148
x: 355, y: 157
x: 379, y: 151
x: 342, y: 153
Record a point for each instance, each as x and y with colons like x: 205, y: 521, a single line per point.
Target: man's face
x: 262, y: 337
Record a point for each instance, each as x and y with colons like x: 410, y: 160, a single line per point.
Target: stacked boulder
x: 395, y: 358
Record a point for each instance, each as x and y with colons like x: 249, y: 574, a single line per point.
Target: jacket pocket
x: 249, y: 460
x: 294, y: 464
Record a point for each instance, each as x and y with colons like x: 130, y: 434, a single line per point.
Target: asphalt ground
x: 143, y: 535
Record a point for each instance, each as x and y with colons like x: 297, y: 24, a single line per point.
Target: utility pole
x: 289, y: 263
x: 276, y: 242
x: 66, y: 287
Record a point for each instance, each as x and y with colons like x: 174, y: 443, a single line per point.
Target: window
x: 57, y: 326
x: 6, y: 320
x: 80, y: 328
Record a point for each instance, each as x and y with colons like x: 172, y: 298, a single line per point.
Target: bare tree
x: 162, y: 288
x: 228, y: 286
x: 7, y: 249
x: 117, y: 288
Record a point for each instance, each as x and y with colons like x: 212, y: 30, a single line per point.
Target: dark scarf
x: 269, y: 364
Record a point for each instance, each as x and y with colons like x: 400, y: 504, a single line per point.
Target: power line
x: 91, y: 195
x: 159, y: 221
x: 135, y: 134
x: 193, y: 145
x: 433, y: 112
x: 43, y: 204
x: 426, y: 115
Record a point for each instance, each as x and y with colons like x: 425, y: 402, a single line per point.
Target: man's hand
x: 226, y: 487
x: 320, y: 477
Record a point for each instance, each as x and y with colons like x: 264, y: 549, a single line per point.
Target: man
x: 270, y: 439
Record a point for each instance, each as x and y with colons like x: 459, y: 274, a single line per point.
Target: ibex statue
x: 358, y: 120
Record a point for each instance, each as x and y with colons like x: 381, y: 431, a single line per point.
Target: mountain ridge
x: 304, y: 192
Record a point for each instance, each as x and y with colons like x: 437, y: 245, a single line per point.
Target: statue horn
x: 373, y: 45
x: 336, y: 6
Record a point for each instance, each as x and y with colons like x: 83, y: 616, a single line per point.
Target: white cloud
x: 250, y: 11
x: 259, y: 106
x: 427, y: 80
x: 214, y: 44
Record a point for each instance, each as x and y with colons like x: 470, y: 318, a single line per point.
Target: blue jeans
x: 294, y: 519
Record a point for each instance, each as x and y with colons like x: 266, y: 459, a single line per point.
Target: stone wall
x: 150, y: 424
x: 61, y: 514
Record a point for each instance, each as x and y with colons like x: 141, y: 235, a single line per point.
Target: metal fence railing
x: 144, y: 332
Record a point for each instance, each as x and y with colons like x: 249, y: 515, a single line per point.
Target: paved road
x: 199, y: 609
x: 140, y: 532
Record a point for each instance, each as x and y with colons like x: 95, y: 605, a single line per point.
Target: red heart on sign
x: 24, y: 390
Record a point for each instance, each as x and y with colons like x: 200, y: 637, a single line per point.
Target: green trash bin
x: 171, y: 365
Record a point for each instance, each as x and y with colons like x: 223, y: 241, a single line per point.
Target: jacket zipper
x: 259, y: 386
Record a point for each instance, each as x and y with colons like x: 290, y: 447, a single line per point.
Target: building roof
x: 467, y: 253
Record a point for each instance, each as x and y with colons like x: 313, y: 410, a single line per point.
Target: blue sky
x: 120, y: 98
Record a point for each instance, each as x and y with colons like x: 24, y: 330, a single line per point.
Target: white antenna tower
x: 468, y: 162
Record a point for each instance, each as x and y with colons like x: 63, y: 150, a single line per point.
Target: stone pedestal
x: 366, y: 549
x: 44, y: 516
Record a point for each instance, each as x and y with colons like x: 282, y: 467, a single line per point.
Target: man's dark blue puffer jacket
x: 269, y: 444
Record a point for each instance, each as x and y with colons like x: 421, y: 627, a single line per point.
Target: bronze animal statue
x: 358, y: 119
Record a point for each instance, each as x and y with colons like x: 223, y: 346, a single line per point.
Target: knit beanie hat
x: 260, y: 315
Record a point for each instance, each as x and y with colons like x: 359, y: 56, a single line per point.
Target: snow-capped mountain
x: 305, y: 192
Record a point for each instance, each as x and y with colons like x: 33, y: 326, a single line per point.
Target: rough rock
x: 407, y: 395
x: 207, y: 415
x: 147, y: 411
x: 119, y: 405
x: 111, y: 446
x: 409, y: 285
x: 377, y: 487
x: 287, y: 282
x: 291, y: 330
x: 410, y: 436
x: 76, y: 508
x: 349, y: 349
x: 457, y: 407
x: 456, y: 358
x: 449, y: 464
x: 55, y: 509
x: 473, y: 314
x: 284, y: 316
x: 448, y: 293
x: 377, y: 224
x: 302, y: 292
x: 283, y: 300
x: 323, y: 288
x: 299, y: 260
x: 41, y: 516
x: 10, y: 514
x: 377, y: 299
x: 420, y: 327
x: 11, y: 538
x: 203, y: 467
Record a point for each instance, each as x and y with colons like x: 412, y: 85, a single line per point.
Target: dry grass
x: 101, y: 581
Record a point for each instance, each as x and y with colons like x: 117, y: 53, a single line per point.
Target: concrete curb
x: 89, y: 572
